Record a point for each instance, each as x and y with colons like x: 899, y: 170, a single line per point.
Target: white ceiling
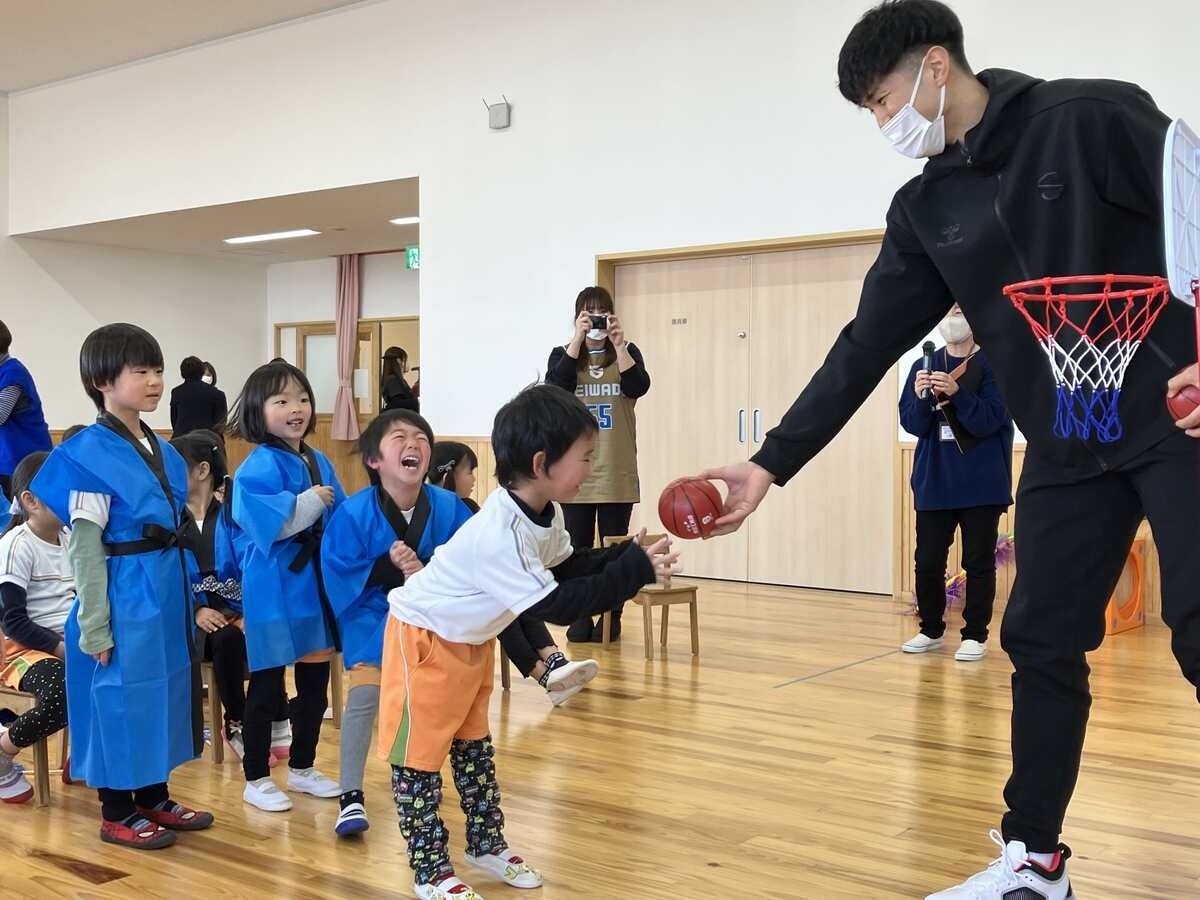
x: 351, y: 220
x: 48, y: 40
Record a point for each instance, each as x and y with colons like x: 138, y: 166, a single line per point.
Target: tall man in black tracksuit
x: 1026, y: 178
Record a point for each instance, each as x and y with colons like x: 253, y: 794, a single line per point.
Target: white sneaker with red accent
x: 1014, y: 876
x: 449, y: 888
x: 508, y: 866
x: 14, y: 786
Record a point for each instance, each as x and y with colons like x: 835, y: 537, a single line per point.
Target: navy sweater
x: 943, y: 476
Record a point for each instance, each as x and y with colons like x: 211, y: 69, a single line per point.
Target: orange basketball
x: 1182, y: 404
x: 689, y: 508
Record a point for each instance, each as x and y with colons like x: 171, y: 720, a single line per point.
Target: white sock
x: 1045, y: 860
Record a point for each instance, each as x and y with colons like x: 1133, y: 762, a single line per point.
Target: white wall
x: 636, y: 125
x: 53, y: 294
x: 305, y: 291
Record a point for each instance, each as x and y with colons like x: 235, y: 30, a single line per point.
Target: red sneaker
x: 147, y: 836
x: 180, y: 818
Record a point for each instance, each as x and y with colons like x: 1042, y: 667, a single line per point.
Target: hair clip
x: 446, y: 466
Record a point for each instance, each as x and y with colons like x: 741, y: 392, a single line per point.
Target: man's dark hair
x: 893, y: 33
x: 540, y: 418
x: 5, y: 338
x: 191, y: 368
x: 380, y: 427
x: 108, y: 350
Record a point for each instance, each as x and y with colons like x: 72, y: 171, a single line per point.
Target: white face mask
x: 597, y: 334
x: 911, y: 133
x: 207, y: 379
x: 954, y: 329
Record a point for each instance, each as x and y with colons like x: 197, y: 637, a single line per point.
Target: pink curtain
x: 345, y: 415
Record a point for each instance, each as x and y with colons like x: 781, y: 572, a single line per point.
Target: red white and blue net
x: 1090, y: 327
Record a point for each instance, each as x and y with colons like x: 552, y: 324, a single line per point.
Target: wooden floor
x: 801, y: 754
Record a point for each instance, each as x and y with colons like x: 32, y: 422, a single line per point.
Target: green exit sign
x: 412, y: 257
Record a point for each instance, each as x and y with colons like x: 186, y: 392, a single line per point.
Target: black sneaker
x: 580, y: 631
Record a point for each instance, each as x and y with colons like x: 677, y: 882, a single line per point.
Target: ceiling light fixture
x: 273, y: 236
x: 407, y: 220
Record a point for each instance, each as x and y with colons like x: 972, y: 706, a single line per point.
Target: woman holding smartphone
x: 608, y: 374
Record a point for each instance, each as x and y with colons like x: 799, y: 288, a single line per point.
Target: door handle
x: 741, y: 426
x: 758, y: 426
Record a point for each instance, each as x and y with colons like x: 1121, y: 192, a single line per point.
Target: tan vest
x: 614, y: 477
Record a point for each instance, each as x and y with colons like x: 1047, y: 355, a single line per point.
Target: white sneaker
x: 558, y: 698
x: 352, y: 819
x: 452, y: 888
x: 922, y: 643
x: 970, y: 651
x: 310, y: 781
x: 572, y: 674
x: 14, y: 786
x: 508, y: 866
x: 1013, y: 877
x: 266, y: 795
x: 281, y: 739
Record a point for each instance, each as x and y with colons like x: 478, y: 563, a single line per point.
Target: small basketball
x: 689, y: 508
x: 1183, y: 403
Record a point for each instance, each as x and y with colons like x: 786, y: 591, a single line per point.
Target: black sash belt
x: 155, y: 539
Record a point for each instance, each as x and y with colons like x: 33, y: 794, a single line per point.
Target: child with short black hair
x: 36, y: 593
x: 283, y: 495
x: 130, y: 696
x: 376, y: 539
x: 527, y: 642
x: 439, y: 657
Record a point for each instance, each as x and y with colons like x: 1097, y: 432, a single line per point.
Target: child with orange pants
x: 513, y: 557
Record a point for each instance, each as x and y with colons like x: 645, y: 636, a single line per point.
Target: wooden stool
x: 661, y: 594
x: 20, y: 703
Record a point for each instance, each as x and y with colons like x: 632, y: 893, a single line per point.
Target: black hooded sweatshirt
x: 1058, y: 178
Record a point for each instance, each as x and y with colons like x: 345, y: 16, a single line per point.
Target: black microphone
x: 927, y: 364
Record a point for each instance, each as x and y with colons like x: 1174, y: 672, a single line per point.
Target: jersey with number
x: 614, y: 477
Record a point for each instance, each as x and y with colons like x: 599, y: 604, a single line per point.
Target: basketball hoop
x: 1089, y: 327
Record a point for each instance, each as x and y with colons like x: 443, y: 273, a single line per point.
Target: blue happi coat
x: 131, y: 721
x: 359, y: 534
x: 285, y: 610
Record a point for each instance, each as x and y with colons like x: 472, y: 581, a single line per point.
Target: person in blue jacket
x: 128, y: 638
x: 379, y: 536
x: 283, y: 495
x: 22, y: 425
x: 961, y: 479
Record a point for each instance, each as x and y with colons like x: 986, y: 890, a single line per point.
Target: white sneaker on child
x: 450, y: 888
x: 14, y: 786
x: 971, y: 651
x: 281, y: 739
x: 558, y: 698
x: 508, y: 866
x: 266, y: 795
x: 573, y: 674
x: 310, y: 781
x: 921, y: 643
x: 352, y: 819
x: 1013, y: 876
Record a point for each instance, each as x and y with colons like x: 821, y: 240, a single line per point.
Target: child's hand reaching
x: 404, y: 559
x: 660, y: 555
x: 325, y: 492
